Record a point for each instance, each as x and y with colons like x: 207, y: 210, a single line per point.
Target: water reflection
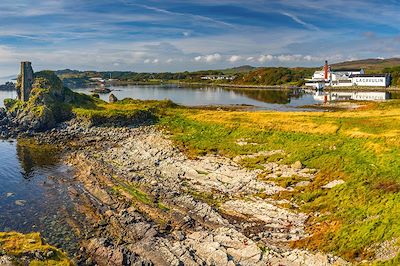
x: 323, y: 96
x: 34, y: 193
x: 271, y: 96
x: 32, y: 156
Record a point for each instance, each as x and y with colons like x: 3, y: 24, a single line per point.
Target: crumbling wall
x: 25, y: 81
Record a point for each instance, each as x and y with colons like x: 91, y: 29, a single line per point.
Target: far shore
x: 260, y: 87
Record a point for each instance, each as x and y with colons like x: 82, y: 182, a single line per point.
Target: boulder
x: 297, y: 165
x: 112, y: 98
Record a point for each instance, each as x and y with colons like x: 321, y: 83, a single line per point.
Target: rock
x: 333, y: 184
x: 20, y: 202
x: 112, y: 98
x: 50, y: 254
x: 303, y: 184
x: 179, y: 235
x: 6, y: 261
x: 297, y: 165
x: 196, y: 232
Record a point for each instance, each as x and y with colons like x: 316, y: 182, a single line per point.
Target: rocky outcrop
x: 49, y: 104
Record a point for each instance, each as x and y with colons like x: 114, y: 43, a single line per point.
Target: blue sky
x: 176, y: 35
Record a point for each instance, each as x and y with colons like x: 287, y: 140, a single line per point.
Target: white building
x: 346, y: 78
x: 221, y: 77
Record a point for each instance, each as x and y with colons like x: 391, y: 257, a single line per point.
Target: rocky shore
x: 149, y: 204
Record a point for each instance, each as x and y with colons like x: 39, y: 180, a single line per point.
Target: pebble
x: 20, y: 202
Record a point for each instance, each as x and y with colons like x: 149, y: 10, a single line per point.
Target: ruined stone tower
x: 26, y: 81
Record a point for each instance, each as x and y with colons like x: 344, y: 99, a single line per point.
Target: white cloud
x: 235, y: 58
x: 211, y: 58
x: 265, y: 58
x: 288, y: 58
x: 147, y: 61
x: 250, y: 58
x: 6, y: 53
x: 169, y: 61
x: 155, y: 61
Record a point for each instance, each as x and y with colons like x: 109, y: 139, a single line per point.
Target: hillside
x: 271, y: 76
x: 240, y: 69
x: 370, y: 65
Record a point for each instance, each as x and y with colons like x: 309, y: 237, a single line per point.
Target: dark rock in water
x: 101, y: 90
x: 112, y: 98
x: 8, y: 86
x: 96, y: 95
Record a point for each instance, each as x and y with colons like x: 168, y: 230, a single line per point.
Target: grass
x: 361, y: 147
x: 19, y: 245
x: 139, y: 195
x: 126, y: 111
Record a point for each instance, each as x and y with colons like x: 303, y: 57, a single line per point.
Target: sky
x: 179, y: 35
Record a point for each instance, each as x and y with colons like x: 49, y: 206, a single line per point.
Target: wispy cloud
x: 193, y: 16
x: 299, y: 21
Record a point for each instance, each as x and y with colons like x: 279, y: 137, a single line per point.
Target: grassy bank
x: 26, y: 250
x: 361, y: 147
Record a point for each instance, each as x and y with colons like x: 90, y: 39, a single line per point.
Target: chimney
x: 326, y: 68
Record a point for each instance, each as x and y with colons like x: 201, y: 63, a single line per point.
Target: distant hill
x: 370, y: 65
x: 67, y: 72
x: 240, y: 69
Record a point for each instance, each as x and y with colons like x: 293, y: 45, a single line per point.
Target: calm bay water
x: 266, y: 99
x: 282, y: 100
x: 34, y: 194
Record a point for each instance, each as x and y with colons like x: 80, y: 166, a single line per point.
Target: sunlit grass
x: 358, y: 146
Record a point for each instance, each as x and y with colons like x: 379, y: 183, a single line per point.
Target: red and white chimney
x: 326, y: 69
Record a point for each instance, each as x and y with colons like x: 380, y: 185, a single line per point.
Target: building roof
x: 369, y: 75
x: 347, y: 70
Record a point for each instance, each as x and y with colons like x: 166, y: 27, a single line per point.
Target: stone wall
x: 26, y: 81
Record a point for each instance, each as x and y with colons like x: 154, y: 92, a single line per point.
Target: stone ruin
x: 25, y: 81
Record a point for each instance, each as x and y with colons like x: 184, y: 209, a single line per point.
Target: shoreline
x: 154, y: 204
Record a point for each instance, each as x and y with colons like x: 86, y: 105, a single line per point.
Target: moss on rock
x: 30, y: 249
